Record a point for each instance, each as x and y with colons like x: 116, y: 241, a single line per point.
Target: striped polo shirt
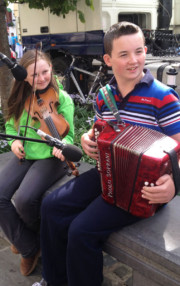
x: 150, y: 104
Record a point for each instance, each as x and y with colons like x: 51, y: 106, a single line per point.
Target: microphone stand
x: 50, y: 143
x: 71, y: 154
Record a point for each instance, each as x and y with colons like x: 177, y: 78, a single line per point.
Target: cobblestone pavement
x: 115, y: 273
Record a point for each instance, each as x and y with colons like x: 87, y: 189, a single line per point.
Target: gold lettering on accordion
x: 108, y: 174
x: 108, y: 165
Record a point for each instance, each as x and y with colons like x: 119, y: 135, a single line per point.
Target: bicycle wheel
x: 60, y: 66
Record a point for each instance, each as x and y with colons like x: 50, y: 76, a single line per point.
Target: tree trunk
x: 5, y: 74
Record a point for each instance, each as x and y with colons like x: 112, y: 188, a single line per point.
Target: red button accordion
x: 128, y: 159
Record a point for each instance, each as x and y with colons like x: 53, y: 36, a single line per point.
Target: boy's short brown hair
x: 118, y: 30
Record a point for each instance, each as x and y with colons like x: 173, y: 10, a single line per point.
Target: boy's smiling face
x: 127, y: 57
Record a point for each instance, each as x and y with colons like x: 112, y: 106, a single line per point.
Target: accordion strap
x: 175, y: 169
x: 109, y: 100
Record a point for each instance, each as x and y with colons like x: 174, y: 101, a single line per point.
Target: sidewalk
x: 115, y: 273
x: 9, y: 268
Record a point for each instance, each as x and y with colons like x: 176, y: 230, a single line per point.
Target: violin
x: 44, y: 109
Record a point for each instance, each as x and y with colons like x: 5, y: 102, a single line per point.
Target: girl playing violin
x: 42, y: 165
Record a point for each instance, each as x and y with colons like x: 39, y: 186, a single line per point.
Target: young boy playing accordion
x: 76, y: 220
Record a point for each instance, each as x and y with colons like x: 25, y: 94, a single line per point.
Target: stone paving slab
x: 9, y: 268
x: 115, y: 273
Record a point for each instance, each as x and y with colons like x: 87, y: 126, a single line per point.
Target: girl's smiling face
x: 42, y: 74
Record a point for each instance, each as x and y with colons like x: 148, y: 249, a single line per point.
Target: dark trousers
x: 28, y: 181
x: 75, y: 223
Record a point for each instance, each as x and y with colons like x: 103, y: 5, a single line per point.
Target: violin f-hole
x: 38, y: 115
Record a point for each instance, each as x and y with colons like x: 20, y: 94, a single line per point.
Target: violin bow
x: 33, y: 89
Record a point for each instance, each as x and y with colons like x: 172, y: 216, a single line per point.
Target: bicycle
x: 94, y: 80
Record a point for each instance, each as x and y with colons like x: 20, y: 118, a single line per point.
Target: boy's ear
x: 107, y: 60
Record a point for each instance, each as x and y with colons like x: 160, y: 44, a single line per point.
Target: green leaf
x: 90, y: 4
x: 57, y: 7
x: 81, y: 16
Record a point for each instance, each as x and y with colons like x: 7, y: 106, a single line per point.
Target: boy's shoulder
x: 160, y: 84
x: 162, y: 89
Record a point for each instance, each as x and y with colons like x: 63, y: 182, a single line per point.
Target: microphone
x: 19, y: 72
x: 70, y: 152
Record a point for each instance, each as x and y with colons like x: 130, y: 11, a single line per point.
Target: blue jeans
x: 75, y: 222
x: 28, y: 181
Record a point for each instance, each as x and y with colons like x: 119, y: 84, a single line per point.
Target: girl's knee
x: 27, y: 208
x: 21, y: 203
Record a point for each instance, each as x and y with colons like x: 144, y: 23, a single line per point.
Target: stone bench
x: 150, y: 247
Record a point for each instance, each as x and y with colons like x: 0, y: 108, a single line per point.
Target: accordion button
x: 146, y: 183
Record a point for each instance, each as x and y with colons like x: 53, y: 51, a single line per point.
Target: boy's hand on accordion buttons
x: 162, y: 192
x: 88, y: 144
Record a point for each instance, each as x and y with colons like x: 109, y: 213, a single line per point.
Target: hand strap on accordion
x: 109, y: 100
x: 175, y: 169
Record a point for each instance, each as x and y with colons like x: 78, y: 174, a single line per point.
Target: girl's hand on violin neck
x: 18, y: 149
x: 58, y: 154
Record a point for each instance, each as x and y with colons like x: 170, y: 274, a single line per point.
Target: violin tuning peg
x: 75, y: 172
x: 78, y: 164
x: 69, y: 174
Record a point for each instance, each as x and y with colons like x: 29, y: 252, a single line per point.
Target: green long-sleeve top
x: 34, y: 150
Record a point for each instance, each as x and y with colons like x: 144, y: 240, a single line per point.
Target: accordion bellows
x: 128, y: 159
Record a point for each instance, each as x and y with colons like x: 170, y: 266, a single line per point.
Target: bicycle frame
x: 84, y: 99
